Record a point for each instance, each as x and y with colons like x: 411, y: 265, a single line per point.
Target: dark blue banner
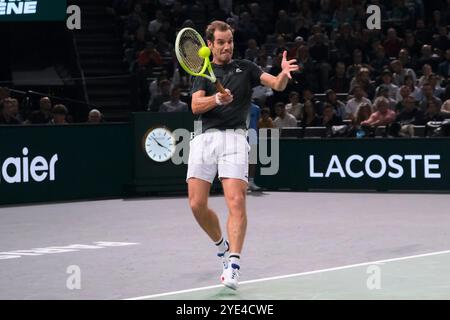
x: 33, y: 10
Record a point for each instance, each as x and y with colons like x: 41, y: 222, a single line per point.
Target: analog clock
x: 159, y: 144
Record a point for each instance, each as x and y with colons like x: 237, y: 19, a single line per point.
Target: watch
x: 159, y: 144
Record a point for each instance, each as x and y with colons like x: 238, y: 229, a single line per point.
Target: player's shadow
x: 260, y: 193
x: 226, y: 294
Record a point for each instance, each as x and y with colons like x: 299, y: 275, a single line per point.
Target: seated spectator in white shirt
x: 386, y: 78
x: 294, y: 107
x: 174, y: 104
x: 283, y: 119
x: 400, y: 73
x: 260, y: 94
x: 353, y: 104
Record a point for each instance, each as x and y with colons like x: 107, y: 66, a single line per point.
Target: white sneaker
x: 230, y: 277
x: 224, y: 257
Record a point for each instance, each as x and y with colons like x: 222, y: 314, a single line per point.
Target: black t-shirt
x: 239, y: 76
x: 11, y: 120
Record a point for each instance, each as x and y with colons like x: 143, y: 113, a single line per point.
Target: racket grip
x: 219, y: 87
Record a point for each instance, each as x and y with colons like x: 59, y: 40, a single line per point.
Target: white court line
x: 291, y: 275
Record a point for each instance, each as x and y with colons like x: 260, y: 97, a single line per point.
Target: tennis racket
x: 193, y: 56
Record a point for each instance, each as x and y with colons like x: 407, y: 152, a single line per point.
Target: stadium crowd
x: 396, y: 76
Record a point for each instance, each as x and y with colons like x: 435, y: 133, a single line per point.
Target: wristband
x: 217, y: 100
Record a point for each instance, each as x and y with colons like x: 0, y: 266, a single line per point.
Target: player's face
x: 222, y: 47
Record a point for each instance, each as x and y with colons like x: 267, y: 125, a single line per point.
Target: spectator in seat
x: 284, y: 25
x: 363, y: 113
x: 383, y: 91
x: 426, y: 72
x: 414, y: 90
x: 427, y: 93
x: 294, y: 106
x: 400, y: 73
x: 386, y: 78
x: 433, y: 112
x: 409, y: 116
x: 4, y: 93
x: 163, y: 96
x: 444, y: 67
x: 406, y: 60
x: 43, y: 115
x: 383, y: 116
x: 265, y: 121
x: 95, y: 116
x: 445, y: 108
x: 260, y: 94
x: 309, y: 94
x: 149, y: 57
x: 403, y: 93
x: 283, y: 119
x: 440, y: 39
x: 339, y: 83
x: 59, y: 113
x: 393, y: 43
x: 427, y: 57
x: 292, y: 53
x: 174, y: 104
x: 310, y: 117
x: 155, y: 25
x: 380, y: 61
x: 330, y: 118
x: 352, y: 104
x: 9, y: 112
x: 435, y: 81
x: 362, y: 79
x: 251, y: 53
x: 338, y: 106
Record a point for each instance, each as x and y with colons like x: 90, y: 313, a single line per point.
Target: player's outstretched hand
x: 288, y: 66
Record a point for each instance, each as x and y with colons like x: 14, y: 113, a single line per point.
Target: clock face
x: 159, y: 144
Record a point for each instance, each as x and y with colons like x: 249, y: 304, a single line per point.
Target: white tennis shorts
x: 225, y: 152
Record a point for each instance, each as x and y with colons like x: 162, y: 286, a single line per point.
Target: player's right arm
x: 201, y: 103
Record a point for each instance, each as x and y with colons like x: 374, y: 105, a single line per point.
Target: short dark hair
x: 216, y: 25
x: 60, y: 109
x: 265, y: 111
x: 280, y: 104
x: 293, y: 93
x: 326, y: 105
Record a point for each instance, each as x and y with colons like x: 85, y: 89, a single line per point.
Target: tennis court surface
x: 298, y: 246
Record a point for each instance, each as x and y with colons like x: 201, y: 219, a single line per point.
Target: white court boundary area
x: 292, y: 275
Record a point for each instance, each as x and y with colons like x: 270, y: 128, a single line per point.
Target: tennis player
x: 225, y: 149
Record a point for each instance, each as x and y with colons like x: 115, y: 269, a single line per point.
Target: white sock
x: 222, y: 245
x: 235, y: 259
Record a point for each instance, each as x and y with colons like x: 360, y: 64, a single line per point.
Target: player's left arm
x: 280, y: 82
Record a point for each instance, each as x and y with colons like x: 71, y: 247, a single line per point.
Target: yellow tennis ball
x: 204, y: 52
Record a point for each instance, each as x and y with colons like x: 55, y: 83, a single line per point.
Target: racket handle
x: 219, y: 87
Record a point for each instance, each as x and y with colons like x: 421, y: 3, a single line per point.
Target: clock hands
x: 159, y: 144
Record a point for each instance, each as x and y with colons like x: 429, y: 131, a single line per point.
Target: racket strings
x: 189, y: 46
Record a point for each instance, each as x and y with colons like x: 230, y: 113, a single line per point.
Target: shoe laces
x: 234, y: 271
